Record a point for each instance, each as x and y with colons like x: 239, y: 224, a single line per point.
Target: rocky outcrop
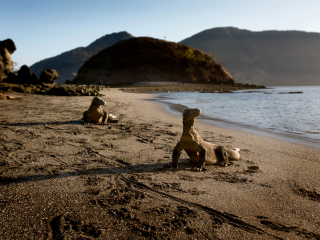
x: 75, y: 90
x: 52, y: 89
x: 25, y: 81
x: 151, y: 60
x: 49, y: 76
x: 7, y: 47
x: 6, y: 65
x: 25, y: 75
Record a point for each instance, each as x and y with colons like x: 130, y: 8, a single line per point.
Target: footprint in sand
x: 253, y: 169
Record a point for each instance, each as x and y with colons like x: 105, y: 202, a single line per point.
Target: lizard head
x: 191, y: 114
x: 99, y: 101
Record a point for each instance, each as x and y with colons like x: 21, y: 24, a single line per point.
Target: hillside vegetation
x: 68, y: 63
x: 151, y: 60
x: 267, y: 57
x: 270, y: 58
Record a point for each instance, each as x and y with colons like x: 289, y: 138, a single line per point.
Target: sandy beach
x: 61, y: 179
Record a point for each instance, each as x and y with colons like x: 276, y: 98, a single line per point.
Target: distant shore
x: 62, y: 179
x: 154, y: 87
x: 141, y: 87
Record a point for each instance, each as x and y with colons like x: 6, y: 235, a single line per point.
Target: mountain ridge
x: 68, y: 63
x: 268, y: 57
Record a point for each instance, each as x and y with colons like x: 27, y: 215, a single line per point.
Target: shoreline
x: 287, y: 137
x: 62, y: 179
x: 177, y: 109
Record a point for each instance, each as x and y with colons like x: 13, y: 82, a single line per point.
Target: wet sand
x: 60, y: 179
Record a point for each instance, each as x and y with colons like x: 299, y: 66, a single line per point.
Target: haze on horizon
x: 43, y: 29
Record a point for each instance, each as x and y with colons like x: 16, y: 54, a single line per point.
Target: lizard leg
x: 223, y: 152
x: 86, y: 118
x: 202, y: 160
x: 105, y: 118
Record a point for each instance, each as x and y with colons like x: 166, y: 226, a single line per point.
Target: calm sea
x: 275, y: 112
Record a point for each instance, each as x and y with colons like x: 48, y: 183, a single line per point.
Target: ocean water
x: 272, y: 112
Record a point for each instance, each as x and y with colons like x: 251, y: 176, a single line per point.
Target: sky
x: 46, y: 28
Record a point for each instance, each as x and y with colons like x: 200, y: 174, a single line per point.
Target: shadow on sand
x: 140, y: 168
x: 72, y: 122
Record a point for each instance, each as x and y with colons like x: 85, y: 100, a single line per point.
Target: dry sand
x: 60, y: 179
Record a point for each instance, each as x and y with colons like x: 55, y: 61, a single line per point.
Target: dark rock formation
x: 151, y: 60
x: 25, y: 75
x: 52, y: 89
x: 49, y: 76
x: 6, y: 65
x: 75, y: 90
x: 298, y: 92
x: 7, y: 47
x: 12, y: 78
x: 27, y: 82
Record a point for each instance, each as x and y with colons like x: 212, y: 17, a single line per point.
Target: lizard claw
x: 199, y: 169
x: 175, y: 167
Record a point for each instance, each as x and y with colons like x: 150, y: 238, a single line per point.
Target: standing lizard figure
x: 200, y: 151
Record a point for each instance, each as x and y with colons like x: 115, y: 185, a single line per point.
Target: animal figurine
x: 200, y: 152
x: 95, y: 113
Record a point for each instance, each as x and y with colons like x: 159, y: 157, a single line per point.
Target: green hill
x: 151, y: 60
x: 68, y: 63
x: 267, y: 57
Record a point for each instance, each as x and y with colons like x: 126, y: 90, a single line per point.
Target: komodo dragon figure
x: 200, y: 151
x: 95, y: 113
